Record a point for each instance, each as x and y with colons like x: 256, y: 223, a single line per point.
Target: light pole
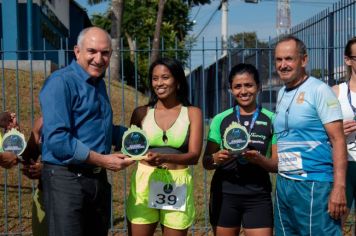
x: 224, y: 27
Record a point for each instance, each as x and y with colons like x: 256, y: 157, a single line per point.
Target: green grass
x: 19, y: 188
x: 19, y: 93
x: 18, y: 203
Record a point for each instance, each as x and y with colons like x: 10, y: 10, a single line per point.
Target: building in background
x: 48, y: 28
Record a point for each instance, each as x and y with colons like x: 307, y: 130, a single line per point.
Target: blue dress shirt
x: 77, y: 117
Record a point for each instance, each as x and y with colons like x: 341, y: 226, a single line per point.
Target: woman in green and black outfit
x: 241, y: 188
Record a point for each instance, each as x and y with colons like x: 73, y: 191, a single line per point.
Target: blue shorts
x: 301, y: 208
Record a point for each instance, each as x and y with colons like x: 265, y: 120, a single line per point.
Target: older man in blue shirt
x: 78, y: 134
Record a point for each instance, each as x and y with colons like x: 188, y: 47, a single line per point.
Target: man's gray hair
x: 84, y: 31
x: 302, y: 49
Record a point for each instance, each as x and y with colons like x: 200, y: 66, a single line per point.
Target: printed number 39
x: 171, y: 199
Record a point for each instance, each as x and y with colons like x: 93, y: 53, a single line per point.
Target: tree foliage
x: 138, y: 27
x: 247, y: 40
x: 102, y: 20
x: 319, y: 73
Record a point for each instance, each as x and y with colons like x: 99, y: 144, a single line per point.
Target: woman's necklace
x: 164, y: 132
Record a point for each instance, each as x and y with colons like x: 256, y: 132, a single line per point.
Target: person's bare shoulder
x: 194, y: 112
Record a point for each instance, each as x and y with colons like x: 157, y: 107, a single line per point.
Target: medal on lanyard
x: 349, y: 98
x: 236, y: 137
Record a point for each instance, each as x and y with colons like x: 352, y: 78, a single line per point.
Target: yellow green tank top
x: 175, y: 137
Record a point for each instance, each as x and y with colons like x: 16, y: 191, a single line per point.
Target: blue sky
x: 260, y: 17
x: 242, y: 17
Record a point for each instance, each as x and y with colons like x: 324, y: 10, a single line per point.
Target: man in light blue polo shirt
x: 310, y: 194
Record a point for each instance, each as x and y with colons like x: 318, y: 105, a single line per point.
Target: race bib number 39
x: 167, y: 196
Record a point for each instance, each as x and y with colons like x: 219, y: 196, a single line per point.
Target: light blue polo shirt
x: 304, y: 150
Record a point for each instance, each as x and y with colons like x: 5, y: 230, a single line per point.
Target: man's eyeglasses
x: 352, y: 58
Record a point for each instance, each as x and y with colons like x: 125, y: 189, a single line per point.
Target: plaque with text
x: 236, y: 138
x: 14, y: 141
x: 135, y: 143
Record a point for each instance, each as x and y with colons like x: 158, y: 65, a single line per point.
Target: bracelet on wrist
x: 214, y: 163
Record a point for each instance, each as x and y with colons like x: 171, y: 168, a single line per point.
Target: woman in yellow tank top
x: 161, y: 186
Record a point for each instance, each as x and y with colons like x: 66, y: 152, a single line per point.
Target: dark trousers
x: 77, y: 201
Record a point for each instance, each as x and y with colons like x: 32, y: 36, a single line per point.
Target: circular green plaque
x: 14, y: 141
x: 236, y: 137
x: 135, y: 143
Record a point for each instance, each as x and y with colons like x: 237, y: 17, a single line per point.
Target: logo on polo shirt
x: 300, y: 98
x: 333, y: 103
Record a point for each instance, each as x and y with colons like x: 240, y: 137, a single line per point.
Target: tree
x: 156, y: 37
x: 102, y: 21
x: 157, y: 34
x: 247, y: 40
x: 116, y: 19
x: 117, y: 9
x: 139, y: 23
x: 319, y: 73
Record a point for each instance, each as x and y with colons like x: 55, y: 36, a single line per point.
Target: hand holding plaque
x: 14, y: 141
x: 236, y: 138
x: 135, y: 143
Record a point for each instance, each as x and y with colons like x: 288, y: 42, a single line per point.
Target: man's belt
x: 85, y: 170
x: 78, y: 169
